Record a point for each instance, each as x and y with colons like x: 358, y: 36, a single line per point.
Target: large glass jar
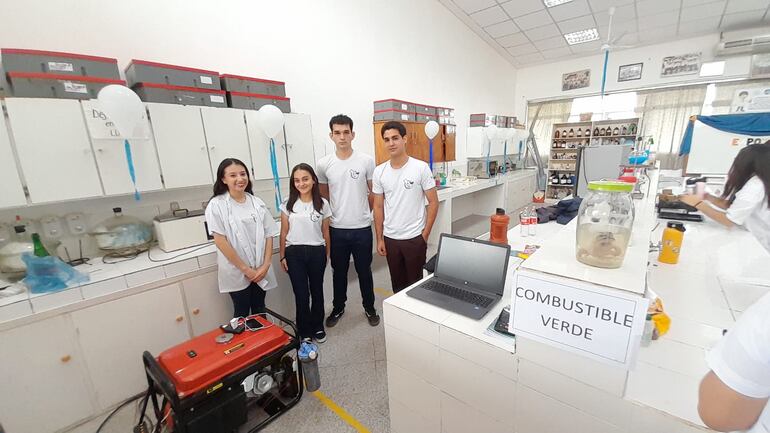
x: 604, y: 224
x: 122, y: 233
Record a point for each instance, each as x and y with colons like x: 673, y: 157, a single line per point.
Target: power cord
x: 121, y: 406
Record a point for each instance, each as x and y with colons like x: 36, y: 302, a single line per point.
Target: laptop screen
x: 472, y: 262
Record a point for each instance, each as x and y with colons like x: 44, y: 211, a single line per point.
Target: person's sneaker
x: 372, y: 317
x: 320, y: 336
x: 334, y: 317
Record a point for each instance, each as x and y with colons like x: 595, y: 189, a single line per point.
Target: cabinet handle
x: 66, y: 358
x: 212, y: 147
x: 196, y: 311
x: 203, y: 147
x: 179, y: 318
x: 100, y: 150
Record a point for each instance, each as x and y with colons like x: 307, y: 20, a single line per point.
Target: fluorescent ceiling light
x: 582, y: 36
x: 712, y: 68
x: 552, y: 3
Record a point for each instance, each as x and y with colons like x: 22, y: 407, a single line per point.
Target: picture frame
x: 630, y: 72
x: 575, y: 80
x: 760, y: 66
x: 682, y: 64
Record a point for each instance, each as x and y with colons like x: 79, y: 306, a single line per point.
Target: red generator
x: 225, y: 382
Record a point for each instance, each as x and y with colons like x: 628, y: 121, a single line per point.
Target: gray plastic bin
x: 385, y: 115
x: 424, y: 118
x: 53, y: 62
x: 254, y: 101
x: 39, y: 85
x: 483, y: 119
x: 393, y: 104
x: 142, y: 71
x: 259, y: 86
x: 424, y: 109
x: 153, y: 92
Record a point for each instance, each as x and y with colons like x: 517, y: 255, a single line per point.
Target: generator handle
x: 287, y: 321
x: 153, y: 370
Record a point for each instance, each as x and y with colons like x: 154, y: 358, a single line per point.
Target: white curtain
x: 543, y: 115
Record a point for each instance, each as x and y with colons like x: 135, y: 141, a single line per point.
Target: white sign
x: 751, y: 100
x: 712, y: 151
x: 101, y: 127
x: 74, y: 87
x: 60, y: 67
x: 578, y: 317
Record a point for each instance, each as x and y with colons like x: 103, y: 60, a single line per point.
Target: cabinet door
x: 113, y: 336
x: 417, y: 142
x: 178, y: 133
x: 54, y: 149
x: 299, y: 139
x: 11, y: 191
x: 206, y: 307
x: 476, y: 143
x: 260, y: 149
x: 111, y: 155
x: 43, y: 377
x: 380, y: 152
x: 225, y: 135
x: 450, y: 138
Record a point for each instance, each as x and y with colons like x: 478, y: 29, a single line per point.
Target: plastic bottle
x: 524, y: 223
x: 498, y: 230
x: 308, y: 357
x: 671, y: 244
x: 532, y: 221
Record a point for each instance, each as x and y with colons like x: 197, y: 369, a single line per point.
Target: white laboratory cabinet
x: 11, y: 190
x: 181, y: 143
x: 299, y: 139
x: 53, y: 148
x: 226, y: 135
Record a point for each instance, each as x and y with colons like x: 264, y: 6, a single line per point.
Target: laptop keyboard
x: 454, y: 292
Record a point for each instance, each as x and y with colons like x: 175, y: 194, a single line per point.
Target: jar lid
x: 610, y: 186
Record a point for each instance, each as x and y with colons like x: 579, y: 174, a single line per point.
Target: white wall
x: 544, y: 81
x: 335, y: 56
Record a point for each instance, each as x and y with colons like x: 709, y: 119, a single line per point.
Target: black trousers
x: 358, y: 243
x: 405, y: 261
x: 307, y: 264
x: 250, y: 300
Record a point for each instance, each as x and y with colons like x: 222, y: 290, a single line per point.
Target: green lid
x: 610, y: 186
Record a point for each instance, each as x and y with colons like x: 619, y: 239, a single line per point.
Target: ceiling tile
x: 551, y: 43
x: 522, y: 49
x: 556, y: 53
x: 617, y: 29
x: 501, y: 29
x: 517, y: 8
x: 646, y: 8
x: 530, y: 58
x: 622, y: 13
x: 658, y: 33
x: 573, y: 9
x: 704, y: 25
x: 733, y: 21
x: 603, y: 5
x: 490, y: 16
x: 659, y: 20
x: 587, y: 47
x: 511, y: 40
x: 575, y: 24
x: 734, y: 6
x: 533, y: 20
x: 690, y: 3
x: 544, y: 32
x: 700, y: 12
x: 471, y: 6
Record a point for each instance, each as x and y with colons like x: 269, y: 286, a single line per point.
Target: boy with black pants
x: 345, y: 178
x: 401, y: 219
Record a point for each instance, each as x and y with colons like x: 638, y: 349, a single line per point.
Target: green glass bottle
x: 40, y: 250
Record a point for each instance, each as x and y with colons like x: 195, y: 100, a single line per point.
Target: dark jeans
x: 405, y: 261
x: 356, y: 242
x: 250, y: 300
x: 307, y: 264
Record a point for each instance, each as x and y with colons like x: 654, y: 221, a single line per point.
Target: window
x: 615, y: 106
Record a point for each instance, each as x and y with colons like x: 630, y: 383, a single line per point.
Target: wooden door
x: 450, y: 136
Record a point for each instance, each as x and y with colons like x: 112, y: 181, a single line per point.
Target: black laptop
x: 469, y: 277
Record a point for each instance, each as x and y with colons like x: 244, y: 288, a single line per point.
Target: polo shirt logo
x: 354, y: 174
x: 315, y: 216
x: 408, y: 183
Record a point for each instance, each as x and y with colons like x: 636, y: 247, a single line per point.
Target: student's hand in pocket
x: 284, y: 265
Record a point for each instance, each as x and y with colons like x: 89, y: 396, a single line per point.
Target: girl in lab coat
x: 243, y: 231
x: 305, y: 248
x: 744, y: 201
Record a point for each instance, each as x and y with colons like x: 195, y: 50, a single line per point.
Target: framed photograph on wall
x: 630, y: 72
x: 575, y: 80
x: 684, y: 64
x: 760, y: 66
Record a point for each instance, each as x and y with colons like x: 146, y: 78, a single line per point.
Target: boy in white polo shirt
x: 345, y: 178
x: 401, y: 220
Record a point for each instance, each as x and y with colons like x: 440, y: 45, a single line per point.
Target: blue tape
x: 131, y: 170
x: 276, y: 179
x: 431, y: 154
x: 505, y: 153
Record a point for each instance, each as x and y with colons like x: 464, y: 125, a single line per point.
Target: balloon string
x: 505, y: 154
x: 431, y: 153
x: 276, y: 179
x: 131, y: 170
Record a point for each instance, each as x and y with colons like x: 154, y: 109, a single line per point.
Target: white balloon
x: 123, y: 107
x: 270, y: 119
x: 491, y: 131
x: 431, y: 129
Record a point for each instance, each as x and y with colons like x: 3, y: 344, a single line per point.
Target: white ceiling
x: 526, y: 32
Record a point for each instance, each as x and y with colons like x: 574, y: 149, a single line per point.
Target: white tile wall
x: 404, y: 419
x: 415, y: 405
x: 50, y: 301
x: 489, y: 356
x: 413, y: 354
x: 103, y: 287
x: 179, y: 268
x: 146, y: 276
x: 458, y: 417
x: 675, y: 356
x: 537, y: 413
x: 411, y: 323
x: 207, y: 260
x: 667, y: 390
x: 15, y: 310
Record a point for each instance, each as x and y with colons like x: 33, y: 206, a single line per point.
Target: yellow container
x: 671, y: 244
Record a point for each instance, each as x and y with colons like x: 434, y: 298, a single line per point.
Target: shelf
x: 613, y: 136
x: 563, y: 148
x: 569, y: 160
x: 560, y: 186
x: 570, y: 138
x: 565, y: 171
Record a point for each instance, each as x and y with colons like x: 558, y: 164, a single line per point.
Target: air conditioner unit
x: 751, y: 41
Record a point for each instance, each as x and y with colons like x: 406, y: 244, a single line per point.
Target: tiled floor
x: 352, y: 367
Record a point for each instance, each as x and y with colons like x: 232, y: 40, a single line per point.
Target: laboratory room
x: 434, y: 216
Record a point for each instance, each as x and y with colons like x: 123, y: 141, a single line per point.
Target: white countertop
x: 460, y: 189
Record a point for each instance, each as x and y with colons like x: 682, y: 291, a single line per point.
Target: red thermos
x: 498, y: 231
